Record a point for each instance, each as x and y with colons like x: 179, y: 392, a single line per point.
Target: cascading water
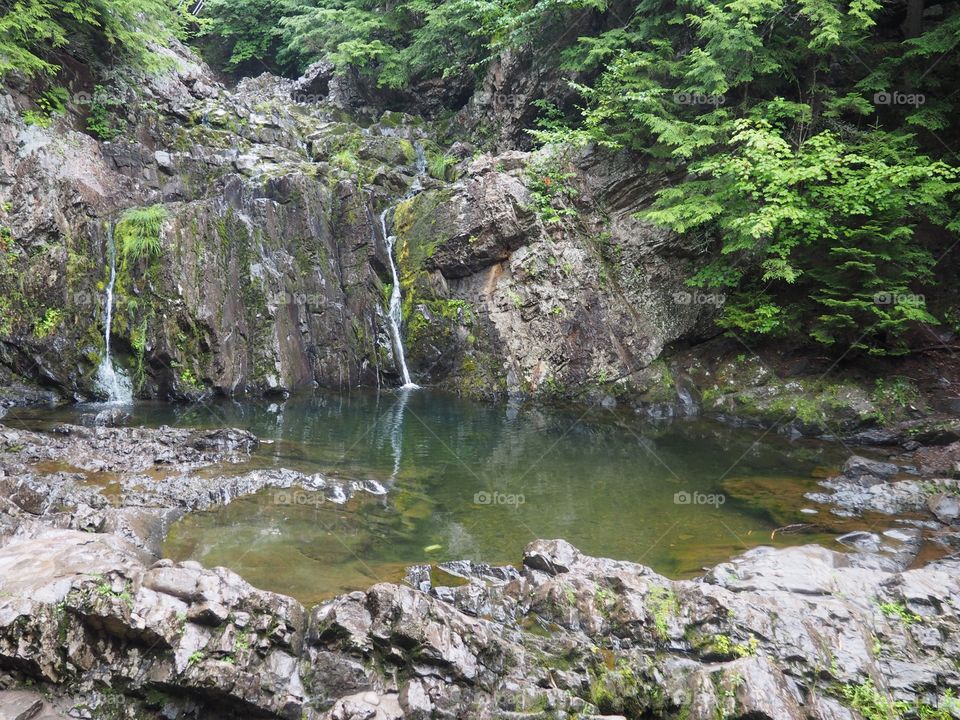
x: 114, y: 384
x: 395, y: 309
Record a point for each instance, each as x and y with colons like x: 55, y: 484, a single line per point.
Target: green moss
x: 619, y: 688
x: 409, y: 151
x: 803, y: 408
x: 867, y: 700
x: 345, y: 160
x: 893, y: 397
x: 724, y: 646
x: 439, y: 315
x: 439, y: 166
x: 420, y: 229
x: 899, y: 611
x: 662, y: 604
x: 659, y: 383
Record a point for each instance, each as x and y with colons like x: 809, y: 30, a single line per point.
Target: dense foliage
x: 811, y: 142
x: 35, y: 35
x: 393, y: 44
x: 241, y: 35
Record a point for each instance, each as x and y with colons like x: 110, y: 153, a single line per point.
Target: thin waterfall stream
x: 395, y: 309
x: 115, y: 384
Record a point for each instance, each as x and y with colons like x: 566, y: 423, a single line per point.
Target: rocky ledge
x: 777, y: 634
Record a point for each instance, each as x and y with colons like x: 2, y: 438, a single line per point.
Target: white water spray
x: 395, y: 309
x: 112, y: 382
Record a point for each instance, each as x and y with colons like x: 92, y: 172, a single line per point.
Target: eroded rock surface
x: 775, y: 634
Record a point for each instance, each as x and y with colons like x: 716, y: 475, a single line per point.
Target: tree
x: 35, y: 33
x: 242, y: 34
x: 759, y: 108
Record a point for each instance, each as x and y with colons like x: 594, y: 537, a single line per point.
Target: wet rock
x: 866, y: 541
x: 111, y: 417
x: 946, y: 508
x: 939, y: 461
x: 868, y: 471
x: 754, y: 638
x: 14, y: 393
x: 877, y: 437
x: 230, y: 440
x: 367, y: 706
x: 551, y: 556
x: 80, y: 583
x: 747, y: 688
x: 415, y: 700
x: 131, y: 449
x: 21, y: 705
x: 418, y: 576
x: 480, y: 571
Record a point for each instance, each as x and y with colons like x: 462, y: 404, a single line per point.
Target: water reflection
x: 480, y: 481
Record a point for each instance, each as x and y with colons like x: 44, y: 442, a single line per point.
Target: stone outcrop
x: 510, y: 296
x: 135, y: 482
x: 801, y: 633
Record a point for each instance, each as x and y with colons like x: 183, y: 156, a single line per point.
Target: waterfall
x: 395, y: 309
x: 114, y: 384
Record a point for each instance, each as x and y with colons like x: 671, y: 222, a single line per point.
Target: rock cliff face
x: 270, y: 271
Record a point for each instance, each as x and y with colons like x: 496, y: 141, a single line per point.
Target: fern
x: 138, y: 232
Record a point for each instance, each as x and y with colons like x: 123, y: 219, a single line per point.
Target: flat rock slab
x: 46, y: 567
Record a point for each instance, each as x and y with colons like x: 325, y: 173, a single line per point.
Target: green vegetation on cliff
x: 37, y: 36
x: 805, y: 144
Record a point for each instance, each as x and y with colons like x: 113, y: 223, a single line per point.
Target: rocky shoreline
x: 93, y: 624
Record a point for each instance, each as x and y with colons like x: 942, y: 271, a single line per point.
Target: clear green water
x: 605, y: 481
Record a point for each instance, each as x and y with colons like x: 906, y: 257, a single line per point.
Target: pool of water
x: 479, y: 481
